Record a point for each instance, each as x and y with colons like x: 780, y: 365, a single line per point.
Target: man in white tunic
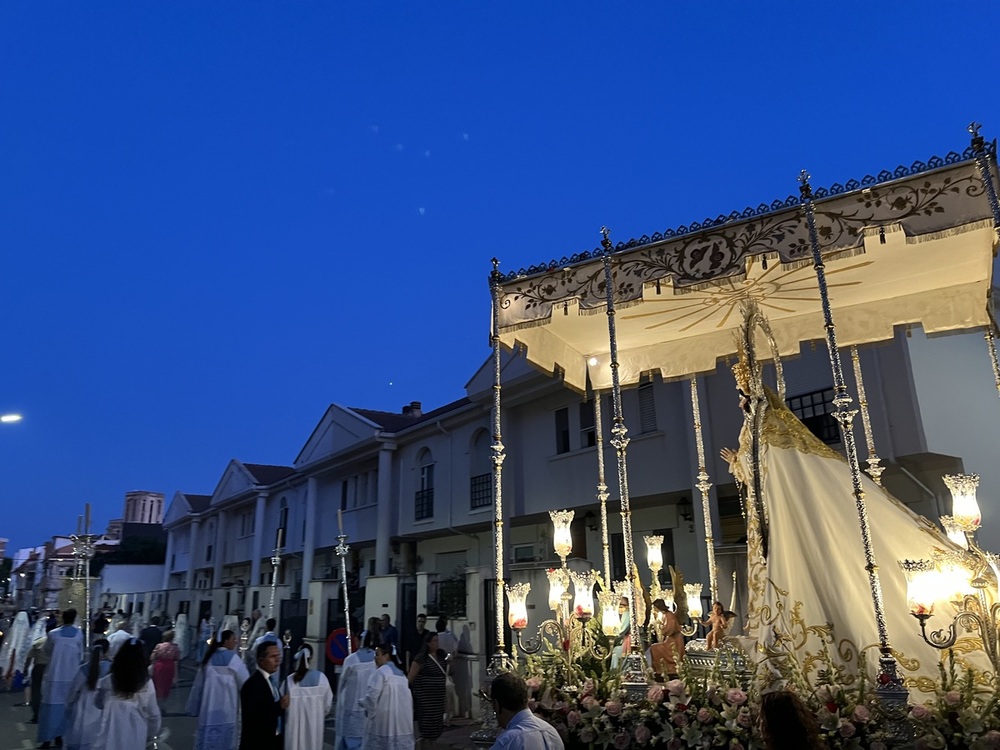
x: 351, y: 687
x: 65, y: 650
x: 522, y: 730
x: 117, y: 638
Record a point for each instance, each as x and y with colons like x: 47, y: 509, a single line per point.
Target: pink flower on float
x: 533, y: 683
x: 680, y: 719
x: 736, y: 697
x: 588, y: 702
x: 704, y: 715
x: 743, y: 718
x: 861, y: 715
x: 588, y: 686
x: 642, y: 734
x: 847, y: 729
x: 613, y: 708
x: 920, y: 711
x: 622, y: 741
x: 655, y: 694
x: 675, y: 687
x: 586, y: 735
x: 573, y: 718
x: 952, y: 698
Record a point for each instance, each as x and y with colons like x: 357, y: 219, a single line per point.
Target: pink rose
x: 655, y: 694
x: 743, y: 719
x: 642, y: 734
x: 704, y: 715
x: 533, y: 683
x: 952, y: 698
x: 991, y: 740
x: 860, y: 715
x: 588, y: 702
x: 573, y: 718
x: 586, y: 735
x: 920, y: 711
x: 622, y: 741
x: 736, y: 697
x: 675, y: 687
x: 846, y: 729
x: 613, y: 708
x: 680, y: 719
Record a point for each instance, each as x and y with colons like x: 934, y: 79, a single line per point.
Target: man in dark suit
x: 263, y: 707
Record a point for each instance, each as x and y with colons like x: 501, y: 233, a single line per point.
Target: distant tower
x: 144, y: 507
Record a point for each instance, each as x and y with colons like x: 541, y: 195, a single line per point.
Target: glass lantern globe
x: 562, y: 539
x: 517, y: 607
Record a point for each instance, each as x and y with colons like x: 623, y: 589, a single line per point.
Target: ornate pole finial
x: 804, y: 187
x: 606, y: 239
x: 977, y: 140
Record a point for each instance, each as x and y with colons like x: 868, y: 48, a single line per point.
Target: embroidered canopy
x: 914, y: 246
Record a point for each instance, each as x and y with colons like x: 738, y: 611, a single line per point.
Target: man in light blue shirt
x: 522, y: 730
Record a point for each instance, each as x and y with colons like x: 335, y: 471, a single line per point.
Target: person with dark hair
x: 127, y: 701
x: 413, y: 640
x: 164, y: 660
x: 311, y: 701
x: 215, y: 695
x: 85, y: 717
x: 64, y: 647
x: 522, y: 730
x: 150, y: 636
x: 262, y: 704
x: 787, y: 724
x: 388, y: 705
x: 358, y: 669
x: 428, y: 676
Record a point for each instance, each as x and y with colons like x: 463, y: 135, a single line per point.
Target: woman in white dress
x: 310, y: 700
x: 388, y: 705
x: 85, y: 716
x: 127, y: 701
x: 215, y: 696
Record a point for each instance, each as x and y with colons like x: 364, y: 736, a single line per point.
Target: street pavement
x: 178, y: 728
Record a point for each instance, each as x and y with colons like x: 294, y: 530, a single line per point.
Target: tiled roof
x: 268, y: 474
x: 395, y: 422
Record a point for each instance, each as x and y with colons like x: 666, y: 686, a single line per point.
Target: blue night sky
x: 216, y: 218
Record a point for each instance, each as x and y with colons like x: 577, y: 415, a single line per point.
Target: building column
x: 220, y: 535
x: 192, y: 546
x: 258, y: 539
x: 168, y: 566
x: 309, y: 544
x: 386, y: 511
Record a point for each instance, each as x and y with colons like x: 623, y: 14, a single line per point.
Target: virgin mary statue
x: 810, y: 613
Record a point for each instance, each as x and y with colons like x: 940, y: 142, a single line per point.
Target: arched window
x: 423, y: 501
x: 480, y: 472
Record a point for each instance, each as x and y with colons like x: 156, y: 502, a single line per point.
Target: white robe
x: 85, y: 716
x: 388, y: 706
x: 16, y: 644
x: 350, y: 717
x: 309, y: 703
x: 126, y: 722
x: 65, y: 647
x: 812, y: 592
x: 215, y: 700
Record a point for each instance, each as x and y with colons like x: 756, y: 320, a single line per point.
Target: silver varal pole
x: 342, y: 549
x: 874, y: 468
x: 704, y: 486
x: 275, y: 564
x: 602, y: 491
x: 500, y: 660
x: 893, y: 696
x: 634, y: 664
